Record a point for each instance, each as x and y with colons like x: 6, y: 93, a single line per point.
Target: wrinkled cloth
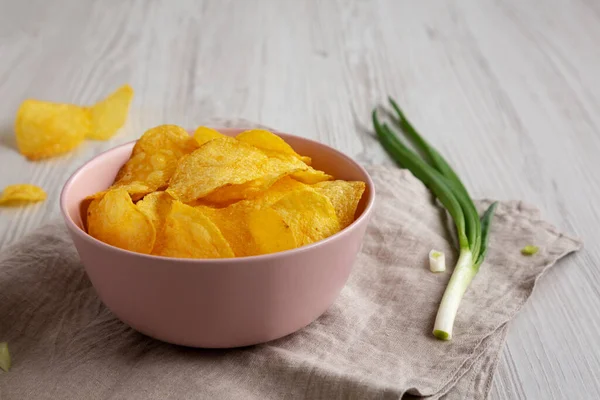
x: 375, y: 342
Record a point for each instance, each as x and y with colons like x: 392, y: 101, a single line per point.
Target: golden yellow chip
x: 110, y: 114
x: 156, y: 206
x: 204, y: 134
x: 309, y: 215
x: 269, y: 142
x: 189, y: 233
x: 277, y: 168
x: 275, y: 171
x: 311, y: 176
x: 154, y: 159
x: 270, y: 231
x: 220, y: 163
x: 44, y: 129
x: 231, y: 193
x: 115, y: 220
x: 232, y: 222
x: 137, y: 190
x: 344, y: 196
x: 279, y: 189
x: 14, y: 195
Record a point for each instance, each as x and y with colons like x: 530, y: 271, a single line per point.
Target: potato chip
x: 204, y: 134
x: 311, y: 176
x: 156, y: 206
x: 221, y: 163
x: 154, y: 159
x: 115, y: 220
x: 189, y: 233
x: 84, y: 207
x: 344, y: 196
x: 278, y: 190
x: 14, y: 195
x: 110, y: 114
x: 137, y: 190
x: 232, y: 222
x: 44, y: 129
x: 233, y: 219
x: 270, y: 142
x: 231, y: 193
x: 309, y: 215
x: 270, y: 231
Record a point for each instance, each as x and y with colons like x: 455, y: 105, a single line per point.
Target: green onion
x: 437, y: 261
x: 529, y: 250
x: 4, y: 356
x: 435, y: 172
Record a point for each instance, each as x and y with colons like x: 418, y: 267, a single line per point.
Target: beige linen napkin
x: 374, y: 343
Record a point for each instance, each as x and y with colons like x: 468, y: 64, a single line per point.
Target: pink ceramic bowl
x: 219, y: 302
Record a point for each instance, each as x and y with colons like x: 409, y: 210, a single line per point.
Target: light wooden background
x: 508, y: 90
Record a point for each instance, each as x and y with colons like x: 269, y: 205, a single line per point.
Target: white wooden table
x: 508, y: 90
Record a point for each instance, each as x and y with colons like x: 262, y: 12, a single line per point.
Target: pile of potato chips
x: 215, y: 196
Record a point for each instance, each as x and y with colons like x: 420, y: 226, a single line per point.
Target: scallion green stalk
x: 4, y: 357
x: 435, y: 172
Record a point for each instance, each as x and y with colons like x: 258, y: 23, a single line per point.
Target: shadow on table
x: 7, y: 137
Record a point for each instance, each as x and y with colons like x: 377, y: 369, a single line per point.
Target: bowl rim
x: 262, y: 257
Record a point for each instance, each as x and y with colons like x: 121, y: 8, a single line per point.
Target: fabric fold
x: 375, y: 342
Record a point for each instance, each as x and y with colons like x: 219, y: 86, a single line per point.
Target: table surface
x: 509, y: 91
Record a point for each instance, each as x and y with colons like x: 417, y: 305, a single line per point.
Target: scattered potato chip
x: 221, y: 163
x: 44, y: 129
x: 14, y: 195
x: 110, y: 114
x: 344, y: 196
x: 270, y: 142
x: 309, y: 215
x: 154, y: 159
x: 115, y: 220
x: 204, y: 134
x: 188, y: 233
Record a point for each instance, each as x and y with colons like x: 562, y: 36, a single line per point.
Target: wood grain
x: 509, y: 90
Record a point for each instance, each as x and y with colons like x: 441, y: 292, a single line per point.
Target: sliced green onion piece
x: 529, y: 250
x: 4, y: 356
x: 437, y: 261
